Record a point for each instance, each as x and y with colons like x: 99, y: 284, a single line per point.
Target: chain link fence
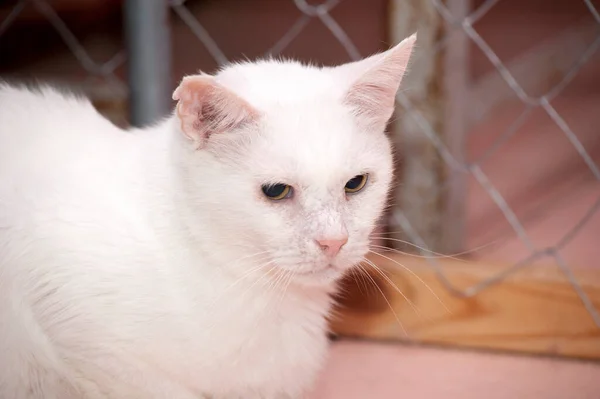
x: 475, y: 169
x: 437, y: 110
x: 96, y: 77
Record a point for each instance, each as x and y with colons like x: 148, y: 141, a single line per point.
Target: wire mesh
x: 308, y: 12
x: 322, y: 12
x: 475, y: 169
x: 111, y: 88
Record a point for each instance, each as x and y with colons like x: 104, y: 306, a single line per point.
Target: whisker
x: 248, y: 289
x: 380, y: 236
x: 398, y: 251
x: 409, y: 244
x: 358, y: 275
x: 290, y: 277
x: 283, y: 277
x: 390, y: 282
x: 278, y: 272
x: 416, y: 276
x: 272, y: 287
x: 274, y: 267
x: 384, y: 298
x: 253, y: 269
x: 249, y: 256
x: 238, y: 281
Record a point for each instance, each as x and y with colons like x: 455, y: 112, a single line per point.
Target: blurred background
x: 498, y: 143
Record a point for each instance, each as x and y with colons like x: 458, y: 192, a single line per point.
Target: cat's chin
x: 320, y: 277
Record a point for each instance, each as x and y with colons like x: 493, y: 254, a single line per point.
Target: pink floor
x: 358, y: 370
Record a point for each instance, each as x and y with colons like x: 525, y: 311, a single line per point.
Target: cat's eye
x: 277, y: 191
x: 356, y: 184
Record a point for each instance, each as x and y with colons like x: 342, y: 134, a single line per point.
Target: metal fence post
x: 149, y: 63
x: 419, y: 198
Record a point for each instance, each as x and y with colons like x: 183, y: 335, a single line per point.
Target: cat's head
x: 288, y: 165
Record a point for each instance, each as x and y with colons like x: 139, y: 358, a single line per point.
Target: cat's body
x: 146, y: 264
x: 165, y: 317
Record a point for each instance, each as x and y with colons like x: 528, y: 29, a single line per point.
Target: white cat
x: 195, y: 258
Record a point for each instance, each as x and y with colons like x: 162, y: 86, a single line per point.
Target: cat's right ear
x: 205, y: 107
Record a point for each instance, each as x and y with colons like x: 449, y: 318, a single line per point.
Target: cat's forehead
x: 270, y: 82
x: 323, y: 147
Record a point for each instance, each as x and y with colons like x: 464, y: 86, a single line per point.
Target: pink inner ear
x: 205, y: 108
x: 373, y: 93
x: 373, y: 102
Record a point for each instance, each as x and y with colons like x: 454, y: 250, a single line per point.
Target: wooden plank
x: 535, y: 311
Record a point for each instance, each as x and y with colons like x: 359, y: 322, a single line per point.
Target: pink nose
x: 331, y: 247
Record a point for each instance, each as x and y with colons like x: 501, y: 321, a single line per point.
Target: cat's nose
x: 331, y: 246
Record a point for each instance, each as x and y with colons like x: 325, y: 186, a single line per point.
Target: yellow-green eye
x: 277, y: 191
x: 356, y: 184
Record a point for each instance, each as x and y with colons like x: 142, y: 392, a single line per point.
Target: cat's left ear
x: 374, y: 82
x: 205, y: 107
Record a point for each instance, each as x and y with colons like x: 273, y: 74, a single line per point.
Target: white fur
x: 129, y: 260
